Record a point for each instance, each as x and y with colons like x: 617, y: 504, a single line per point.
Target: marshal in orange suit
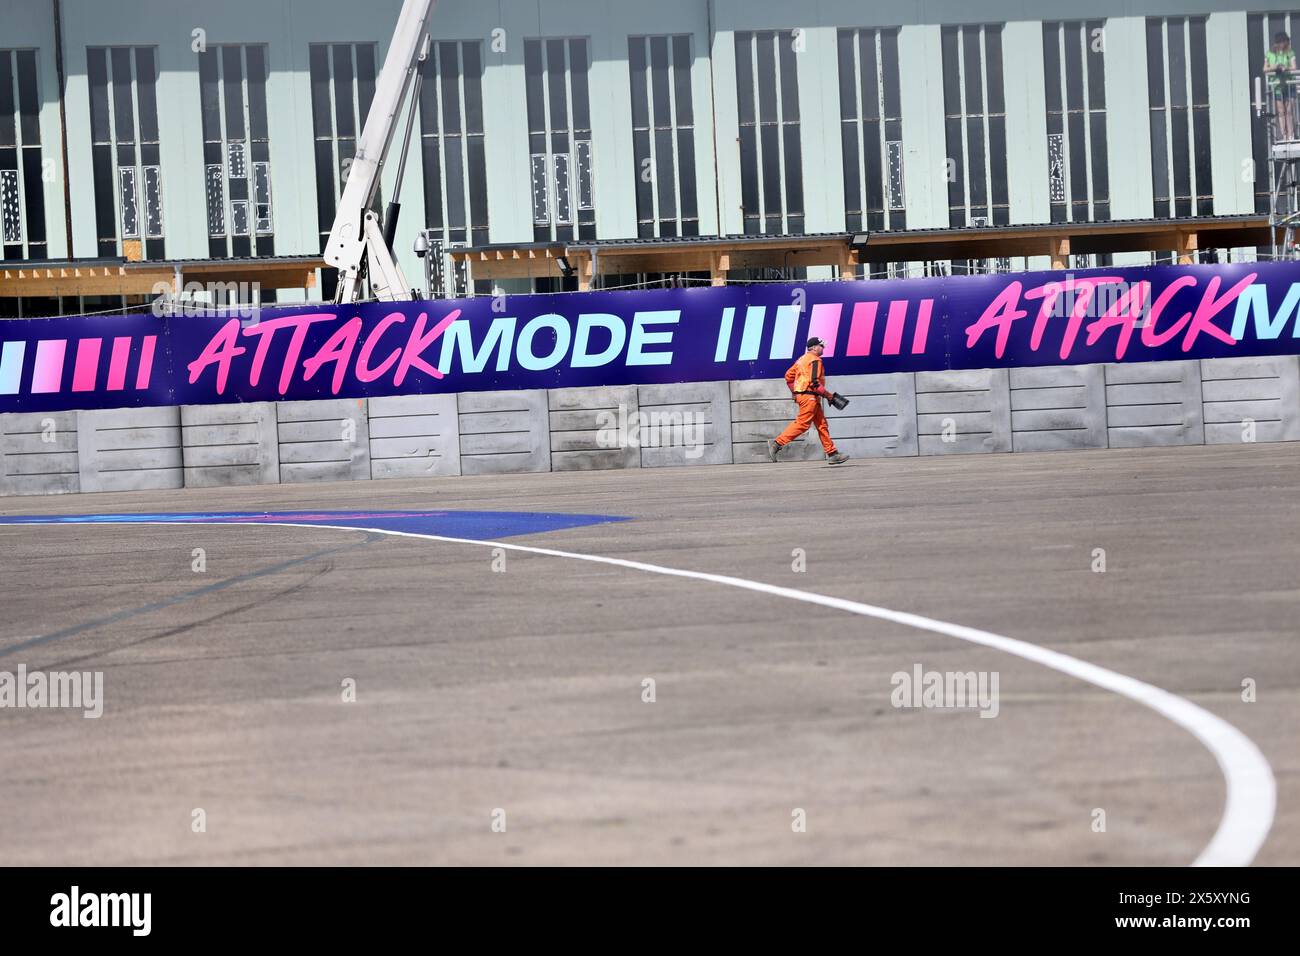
x: 806, y: 380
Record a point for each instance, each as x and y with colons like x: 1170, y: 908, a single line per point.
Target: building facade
x: 226, y: 130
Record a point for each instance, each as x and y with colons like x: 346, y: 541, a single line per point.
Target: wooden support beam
x: 1058, y: 247
x: 848, y: 265
x: 1186, y: 245
x: 719, y: 265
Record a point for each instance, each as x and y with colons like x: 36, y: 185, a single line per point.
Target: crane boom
x: 356, y: 236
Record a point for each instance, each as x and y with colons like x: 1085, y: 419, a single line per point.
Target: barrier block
x: 38, y: 453
x: 504, y: 432
x: 226, y: 445
x: 1058, y: 407
x: 685, y: 424
x: 582, y: 438
x: 130, y: 449
x: 1154, y: 403
x: 326, y: 440
x: 1251, y: 399
x: 414, y: 436
x: 963, y: 412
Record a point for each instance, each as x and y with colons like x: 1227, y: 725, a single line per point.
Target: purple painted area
x: 1144, y: 314
x: 478, y: 525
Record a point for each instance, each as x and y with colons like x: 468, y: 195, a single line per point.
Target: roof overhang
x: 112, y: 277
x: 717, y: 255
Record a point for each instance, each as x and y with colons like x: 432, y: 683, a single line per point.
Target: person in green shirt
x: 1279, y: 63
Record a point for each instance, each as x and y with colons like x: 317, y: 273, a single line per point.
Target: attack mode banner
x: 674, y: 335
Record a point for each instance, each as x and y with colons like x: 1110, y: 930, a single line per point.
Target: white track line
x: 1251, y: 791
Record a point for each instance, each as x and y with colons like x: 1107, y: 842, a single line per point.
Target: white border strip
x: 1251, y: 790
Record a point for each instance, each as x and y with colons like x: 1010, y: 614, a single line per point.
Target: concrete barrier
x: 1154, y: 403
x: 504, y: 432
x: 582, y: 429
x: 230, y: 445
x: 963, y: 412
x: 38, y: 453
x: 129, y: 449
x: 1058, y: 407
x: 328, y: 440
x: 880, y: 419
x: 414, y: 436
x: 581, y: 435
x: 1251, y: 399
x: 760, y: 409
x: 686, y: 424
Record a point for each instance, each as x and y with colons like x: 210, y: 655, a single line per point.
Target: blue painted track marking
x: 456, y: 524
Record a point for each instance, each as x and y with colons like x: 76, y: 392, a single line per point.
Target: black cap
x: 815, y: 341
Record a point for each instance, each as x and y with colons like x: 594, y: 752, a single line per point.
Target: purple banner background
x: 1158, y: 313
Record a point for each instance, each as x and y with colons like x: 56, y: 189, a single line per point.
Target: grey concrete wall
x: 963, y: 412
x: 38, y: 453
x: 1058, y: 407
x: 584, y: 429
x: 502, y: 432
x: 324, y: 440
x: 881, y: 417
x: 880, y: 420
x: 414, y: 436
x: 704, y: 435
x: 593, y: 429
x: 230, y: 445
x: 760, y: 409
x: 129, y: 449
x: 1154, y: 403
x: 1258, y: 392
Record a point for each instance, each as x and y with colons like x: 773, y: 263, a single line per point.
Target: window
x: 22, y: 196
x: 771, y: 166
x: 559, y: 139
x: 1260, y: 30
x: 871, y: 130
x: 1179, y: 93
x: 342, y: 87
x: 663, y: 135
x: 125, y: 157
x: 1075, y: 80
x: 236, y: 151
x: 975, y: 126
x: 451, y: 139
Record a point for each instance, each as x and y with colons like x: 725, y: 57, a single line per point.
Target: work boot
x: 837, y: 458
x: 773, y: 449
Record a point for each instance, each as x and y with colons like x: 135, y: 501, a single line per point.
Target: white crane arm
x: 355, y: 229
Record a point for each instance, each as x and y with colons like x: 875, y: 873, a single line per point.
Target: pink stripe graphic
x: 48, y: 373
x: 825, y: 324
x: 117, y: 363
x: 146, y: 362
x: 894, y: 327
x: 922, y: 327
x: 861, y: 328
x: 85, y: 371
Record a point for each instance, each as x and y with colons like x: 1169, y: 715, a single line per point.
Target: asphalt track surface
x: 520, y: 690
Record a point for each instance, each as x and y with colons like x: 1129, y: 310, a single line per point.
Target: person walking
x: 806, y: 380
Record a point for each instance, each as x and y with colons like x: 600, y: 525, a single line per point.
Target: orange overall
x: 807, y: 380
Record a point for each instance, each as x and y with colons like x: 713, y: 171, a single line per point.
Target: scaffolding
x: 1277, y: 99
